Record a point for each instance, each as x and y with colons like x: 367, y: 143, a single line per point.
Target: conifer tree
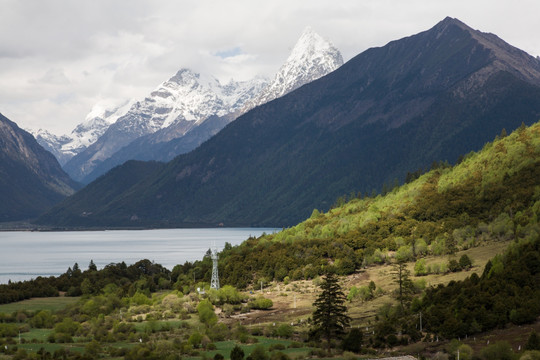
x: 402, y: 278
x: 330, y: 317
x: 92, y: 266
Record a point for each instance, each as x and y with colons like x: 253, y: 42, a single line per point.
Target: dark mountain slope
x: 106, y: 188
x: 31, y: 180
x: 429, y: 97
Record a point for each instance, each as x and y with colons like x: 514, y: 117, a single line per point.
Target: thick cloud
x: 59, y: 57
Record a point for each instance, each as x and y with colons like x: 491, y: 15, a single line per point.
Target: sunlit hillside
x: 492, y: 195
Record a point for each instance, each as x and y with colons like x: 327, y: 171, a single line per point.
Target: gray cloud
x: 59, y: 57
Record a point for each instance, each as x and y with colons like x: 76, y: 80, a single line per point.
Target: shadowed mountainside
x: 31, y: 180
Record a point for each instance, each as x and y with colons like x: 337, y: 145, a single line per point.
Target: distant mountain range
x: 65, y: 147
x: 433, y: 96
x: 31, y: 180
x: 168, y: 121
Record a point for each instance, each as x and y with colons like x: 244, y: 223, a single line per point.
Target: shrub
x: 420, y: 268
x: 237, y: 353
x: 533, y: 343
x: 353, y: 341
x: 404, y: 253
x: 530, y: 355
x: 284, y: 331
x: 465, y: 352
x: 420, y: 247
x: 277, y: 346
x: 392, y: 340
x: 67, y: 326
x: 465, y: 262
x: 453, y: 266
x: 195, y: 340
x: 499, y: 351
x: 353, y: 292
x: 261, y: 303
x: 259, y: 353
x: 279, y: 356
x: 206, y: 313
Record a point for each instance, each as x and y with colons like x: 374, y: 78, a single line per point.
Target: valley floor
x: 292, y: 304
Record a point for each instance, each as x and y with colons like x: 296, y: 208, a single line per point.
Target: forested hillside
x: 507, y: 292
x: 492, y: 195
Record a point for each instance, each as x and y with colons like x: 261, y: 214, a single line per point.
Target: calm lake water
x: 26, y: 255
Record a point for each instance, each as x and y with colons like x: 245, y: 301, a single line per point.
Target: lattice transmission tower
x: 214, y: 284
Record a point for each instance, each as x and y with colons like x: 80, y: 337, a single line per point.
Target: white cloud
x: 58, y: 58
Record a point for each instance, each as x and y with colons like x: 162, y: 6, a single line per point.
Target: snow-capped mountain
x: 311, y: 58
x: 180, y: 103
x: 96, y: 123
x: 52, y: 143
x: 162, y: 125
x: 98, y: 120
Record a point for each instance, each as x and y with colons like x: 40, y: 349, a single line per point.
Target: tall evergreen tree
x: 330, y: 316
x: 405, y: 284
x: 92, y: 266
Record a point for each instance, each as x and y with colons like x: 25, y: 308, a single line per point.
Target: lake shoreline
x: 28, y: 226
x: 28, y: 254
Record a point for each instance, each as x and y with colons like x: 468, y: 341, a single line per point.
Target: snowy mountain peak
x: 52, y: 143
x: 311, y: 58
x: 179, y: 104
x: 311, y: 43
x: 97, y: 121
x: 183, y: 102
x: 106, y: 110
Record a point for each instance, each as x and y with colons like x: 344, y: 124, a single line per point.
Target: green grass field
x: 52, y: 347
x: 49, y: 303
x: 38, y: 334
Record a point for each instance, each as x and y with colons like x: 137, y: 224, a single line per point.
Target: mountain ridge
x: 394, y: 105
x: 311, y: 58
x: 97, y: 121
x: 182, y: 101
x: 31, y: 179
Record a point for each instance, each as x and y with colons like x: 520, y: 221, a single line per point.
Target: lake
x: 26, y: 255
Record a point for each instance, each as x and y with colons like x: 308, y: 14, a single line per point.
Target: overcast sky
x: 60, y: 57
